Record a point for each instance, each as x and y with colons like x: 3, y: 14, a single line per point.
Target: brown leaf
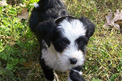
x: 112, y: 22
x: 108, y: 18
x: 117, y: 15
x: 27, y: 64
x: 117, y: 27
x: 24, y: 14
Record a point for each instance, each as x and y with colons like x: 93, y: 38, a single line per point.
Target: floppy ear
x: 46, y: 30
x: 89, y: 26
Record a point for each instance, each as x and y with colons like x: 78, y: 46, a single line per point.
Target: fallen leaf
x: 117, y: 15
x: 24, y: 14
x: 27, y: 64
x: 112, y: 22
x: 108, y: 19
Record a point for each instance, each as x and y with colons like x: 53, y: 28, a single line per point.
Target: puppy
x: 62, y: 39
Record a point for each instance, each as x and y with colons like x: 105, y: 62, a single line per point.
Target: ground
x: 19, y: 48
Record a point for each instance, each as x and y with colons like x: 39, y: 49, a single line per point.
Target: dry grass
x: 104, y: 51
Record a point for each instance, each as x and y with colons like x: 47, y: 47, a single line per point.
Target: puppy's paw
x: 76, y: 75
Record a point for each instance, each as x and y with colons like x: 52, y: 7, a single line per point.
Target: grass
x: 19, y: 49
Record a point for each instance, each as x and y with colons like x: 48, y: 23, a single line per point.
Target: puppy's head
x: 67, y: 38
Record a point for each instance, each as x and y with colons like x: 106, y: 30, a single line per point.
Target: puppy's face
x: 69, y: 40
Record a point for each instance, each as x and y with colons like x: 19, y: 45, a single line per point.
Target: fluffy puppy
x: 62, y: 39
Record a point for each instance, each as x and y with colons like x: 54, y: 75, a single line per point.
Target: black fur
x: 46, y: 69
x: 60, y: 44
x: 52, y: 9
x: 43, y: 23
x: 82, y: 42
x: 89, y: 26
x: 76, y: 76
x: 46, y: 30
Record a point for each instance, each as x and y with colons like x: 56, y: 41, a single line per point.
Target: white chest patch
x: 60, y: 61
x: 53, y: 60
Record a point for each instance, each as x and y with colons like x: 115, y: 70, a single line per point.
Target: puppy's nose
x: 73, y: 60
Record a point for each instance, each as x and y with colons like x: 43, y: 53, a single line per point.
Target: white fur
x: 73, y: 29
x: 60, y: 61
x: 78, y: 72
x: 36, y: 5
x: 68, y: 79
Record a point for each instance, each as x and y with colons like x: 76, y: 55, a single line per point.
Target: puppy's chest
x: 51, y: 59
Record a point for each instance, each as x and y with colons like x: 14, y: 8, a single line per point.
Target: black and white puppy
x: 62, y: 39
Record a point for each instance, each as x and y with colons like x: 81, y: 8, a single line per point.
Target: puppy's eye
x: 81, y: 43
x: 62, y: 43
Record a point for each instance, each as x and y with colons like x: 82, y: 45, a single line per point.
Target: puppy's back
x: 44, y: 10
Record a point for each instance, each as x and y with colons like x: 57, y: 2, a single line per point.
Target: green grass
x: 18, y: 46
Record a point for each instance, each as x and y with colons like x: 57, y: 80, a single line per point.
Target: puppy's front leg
x: 46, y: 70
x: 75, y: 74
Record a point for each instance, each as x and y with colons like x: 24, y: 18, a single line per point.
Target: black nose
x: 73, y: 60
